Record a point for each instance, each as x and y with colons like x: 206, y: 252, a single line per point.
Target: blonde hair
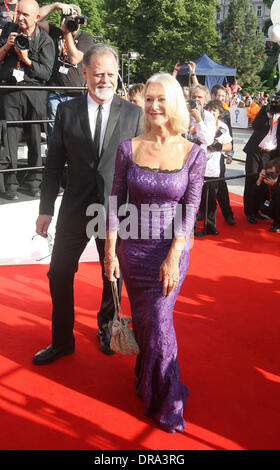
x: 177, y: 109
x: 195, y: 88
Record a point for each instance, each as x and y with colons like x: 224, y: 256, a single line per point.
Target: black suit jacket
x: 261, y: 126
x: 89, y: 178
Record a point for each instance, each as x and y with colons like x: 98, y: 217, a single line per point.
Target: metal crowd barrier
x: 38, y: 121
x: 207, y: 182
x: 44, y: 121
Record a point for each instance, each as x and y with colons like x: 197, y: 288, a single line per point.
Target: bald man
x: 30, y: 66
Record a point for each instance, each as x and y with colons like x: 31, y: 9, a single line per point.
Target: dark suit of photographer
x: 256, y: 159
x: 267, y: 192
x: 70, y: 47
x: 29, y: 66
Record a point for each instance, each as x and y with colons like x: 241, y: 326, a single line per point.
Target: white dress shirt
x: 204, y: 130
x: 269, y: 142
x: 92, y: 115
x: 213, y: 168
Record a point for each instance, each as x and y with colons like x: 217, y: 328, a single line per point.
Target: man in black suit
x: 256, y: 157
x: 267, y: 192
x: 86, y: 136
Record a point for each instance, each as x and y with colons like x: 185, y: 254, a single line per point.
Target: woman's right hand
x: 112, y: 268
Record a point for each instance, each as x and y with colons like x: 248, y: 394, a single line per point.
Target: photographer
x: 192, y: 78
x: 202, y: 124
x: 267, y: 192
x: 70, y: 45
x: 262, y: 146
x: 218, y: 92
x: 26, y: 58
x: 221, y: 143
x: 8, y: 12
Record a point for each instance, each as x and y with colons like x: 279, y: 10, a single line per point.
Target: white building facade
x: 261, y: 10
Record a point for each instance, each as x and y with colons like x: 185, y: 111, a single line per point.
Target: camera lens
x: 71, y: 24
x: 22, y: 41
x: 193, y: 104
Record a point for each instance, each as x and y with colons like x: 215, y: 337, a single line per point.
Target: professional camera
x: 194, y: 103
x: 273, y: 106
x: 269, y: 174
x: 183, y: 62
x: 22, y: 41
x: 217, y: 145
x: 72, y: 22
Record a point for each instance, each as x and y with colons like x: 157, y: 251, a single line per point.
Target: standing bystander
x: 27, y: 60
x: 218, y: 92
x: 70, y: 45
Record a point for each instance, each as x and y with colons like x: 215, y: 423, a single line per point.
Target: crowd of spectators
x: 50, y: 57
x: 56, y: 60
x: 262, y: 152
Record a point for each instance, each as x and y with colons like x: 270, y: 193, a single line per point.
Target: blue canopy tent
x: 213, y: 72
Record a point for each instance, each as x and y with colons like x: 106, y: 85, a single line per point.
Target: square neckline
x: 158, y: 170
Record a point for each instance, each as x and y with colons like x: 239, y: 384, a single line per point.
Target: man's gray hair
x: 99, y: 48
x: 76, y: 8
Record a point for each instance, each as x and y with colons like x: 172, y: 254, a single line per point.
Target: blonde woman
x: 163, y: 174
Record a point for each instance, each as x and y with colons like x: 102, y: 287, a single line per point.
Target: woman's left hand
x: 169, y: 275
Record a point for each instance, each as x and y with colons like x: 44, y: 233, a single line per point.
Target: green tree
x: 268, y: 2
x: 162, y: 31
x: 240, y: 46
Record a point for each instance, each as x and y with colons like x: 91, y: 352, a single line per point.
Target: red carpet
x: 227, y: 322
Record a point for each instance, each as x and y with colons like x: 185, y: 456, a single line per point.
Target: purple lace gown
x: 157, y: 372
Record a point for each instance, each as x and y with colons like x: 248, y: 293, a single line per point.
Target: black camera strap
x: 62, y: 48
x: 35, y: 38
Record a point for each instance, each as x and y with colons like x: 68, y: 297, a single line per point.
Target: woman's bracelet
x: 109, y: 259
x: 176, y: 70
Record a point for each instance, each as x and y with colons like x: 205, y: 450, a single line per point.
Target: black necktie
x: 96, y: 141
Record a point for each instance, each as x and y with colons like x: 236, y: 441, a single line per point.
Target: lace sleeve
x: 119, y: 190
x: 191, y: 199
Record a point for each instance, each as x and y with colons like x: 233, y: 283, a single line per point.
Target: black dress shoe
x: 263, y: 216
x: 252, y: 219
x: 274, y: 228
x: 51, y: 354
x: 212, y: 231
x: 35, y: 192
x: 11, y: 195
x: 104, y: 338
x: 230, y: 220
x: 209, y: 231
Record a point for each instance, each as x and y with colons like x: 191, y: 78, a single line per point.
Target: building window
x: 259, y: 11
x: 218, y: 16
